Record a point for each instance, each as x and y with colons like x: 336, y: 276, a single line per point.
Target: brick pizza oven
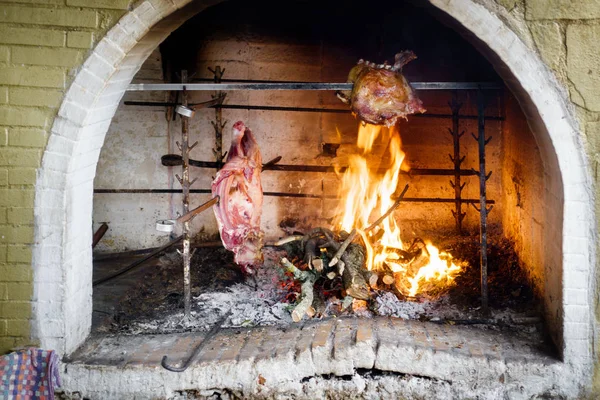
x: 102, y: 164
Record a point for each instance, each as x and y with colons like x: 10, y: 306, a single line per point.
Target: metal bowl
x: 165, y: 225
x: 185, y: 111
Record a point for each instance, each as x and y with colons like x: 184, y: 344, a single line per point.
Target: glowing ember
x: 417, y: 268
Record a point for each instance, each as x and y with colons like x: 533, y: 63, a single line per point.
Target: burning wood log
x: 373, y: 279
x: 311, y: 251
x: 338, y: 255
x: 388, y: 279
x: 318, y: 264
x: 308, y: 280
x: 353, y: 234
x: 353, y: 278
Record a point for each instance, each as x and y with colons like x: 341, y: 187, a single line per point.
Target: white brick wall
x: 63, y: 212
x: 548, y: 99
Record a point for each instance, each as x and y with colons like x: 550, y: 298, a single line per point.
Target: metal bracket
x: 218, y: 126
x: 217, y: 72
x: 487, y: 210
x: 454, y: 185
x: 461, y: 216
x: 459, y: 162
x: 455, y: 105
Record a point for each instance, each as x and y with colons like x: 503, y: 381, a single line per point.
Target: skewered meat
x: 381, y: 94
x: 240, y: 206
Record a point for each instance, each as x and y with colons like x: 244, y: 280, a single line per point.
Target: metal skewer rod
x: 458, y: 214
x: 185, y: 183
x: 304, y: 86
x: 283, y: 194
x: 483, y: 209
x: 171, y: 160
x: 218, y: 124
x: 297, y: 109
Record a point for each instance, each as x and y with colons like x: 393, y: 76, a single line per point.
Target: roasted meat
x: 241, y: 197
x: 381, y: 94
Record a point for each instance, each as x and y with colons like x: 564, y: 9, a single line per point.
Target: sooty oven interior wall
x: 319, y: 42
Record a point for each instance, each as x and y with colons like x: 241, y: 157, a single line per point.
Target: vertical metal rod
x: 218, y: 124
x: 457, y: 213
x: 483, y: 211
x: 185, y: 183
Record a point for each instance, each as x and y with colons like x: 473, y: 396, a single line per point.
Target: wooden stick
x: 288, y: 239
x: 350, y: 238
x: 389, y: 211
x: 308, y: 281
x: 342, y: 249
x: 191, y: 214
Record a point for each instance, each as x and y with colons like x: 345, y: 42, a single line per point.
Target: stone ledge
x: 304, y: 360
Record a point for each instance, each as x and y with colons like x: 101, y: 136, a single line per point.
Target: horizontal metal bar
x: 340, y: 111
x: 201, y: 191
x: 302, y: 86
x: 325, y: 169
x: 438, y: 200
x: 298, y: 109
x: 417, y: 85
x: 280, y: 194
x: 456, y: 85
x: 439, y: 172
x: 136, y: 191
x: 319, y: 168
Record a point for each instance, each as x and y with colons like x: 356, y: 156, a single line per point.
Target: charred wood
x: 308, y: 280
x: 353, y: 278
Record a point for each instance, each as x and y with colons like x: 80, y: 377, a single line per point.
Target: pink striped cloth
x: 29, y: 374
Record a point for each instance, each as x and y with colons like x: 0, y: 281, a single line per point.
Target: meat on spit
x: 381, y: 94
x: 240, y: 206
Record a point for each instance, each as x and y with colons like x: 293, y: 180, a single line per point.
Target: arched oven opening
x: 451, y: 219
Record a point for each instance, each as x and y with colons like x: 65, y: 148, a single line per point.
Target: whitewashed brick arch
x: 62, y: 262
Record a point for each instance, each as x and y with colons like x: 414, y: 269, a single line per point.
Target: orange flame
x: 366, y: 193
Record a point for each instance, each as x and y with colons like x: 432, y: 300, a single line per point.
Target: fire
x: 369, y: 194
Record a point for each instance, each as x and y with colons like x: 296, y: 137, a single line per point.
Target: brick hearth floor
x: 271, y: 362
x: 332, y: 338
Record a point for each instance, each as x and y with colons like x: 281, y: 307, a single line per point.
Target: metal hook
x: 213, y: 331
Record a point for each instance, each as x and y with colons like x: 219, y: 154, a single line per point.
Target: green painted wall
x: 42, y: 44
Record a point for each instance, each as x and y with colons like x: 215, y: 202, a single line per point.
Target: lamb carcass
x: 241, y: 197
x: 381, y: 94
